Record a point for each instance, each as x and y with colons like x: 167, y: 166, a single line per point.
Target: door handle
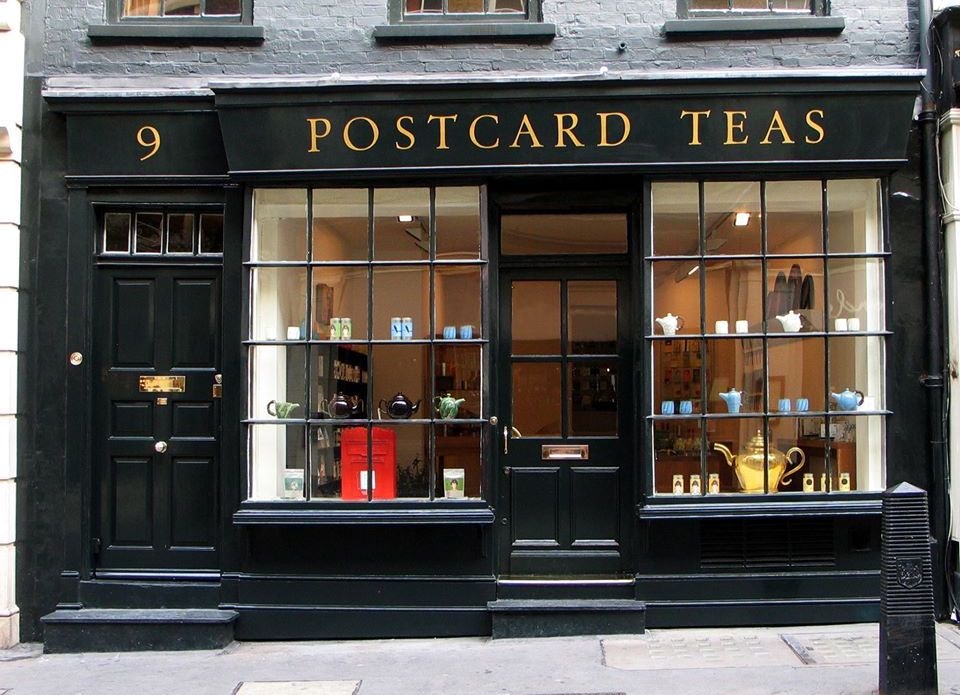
x: 506, y: 439
x: 160, y: 447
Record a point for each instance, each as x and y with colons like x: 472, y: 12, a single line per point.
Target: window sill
x: 181, y: 32
x: 714, y: 27
x: 834, y: 504
x: 332, y: 516
x: 466, y: 31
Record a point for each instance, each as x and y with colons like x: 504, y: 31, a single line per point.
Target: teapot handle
x: 272, y: 412
x: 785, y: 480
x: 860, y: 398
x: 680, y: 322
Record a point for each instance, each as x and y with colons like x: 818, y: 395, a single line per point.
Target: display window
x: 767, y: 337
x: 366, y: 344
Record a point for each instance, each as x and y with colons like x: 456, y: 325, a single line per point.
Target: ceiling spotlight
x: 405, y: 218
x: 741, y: 219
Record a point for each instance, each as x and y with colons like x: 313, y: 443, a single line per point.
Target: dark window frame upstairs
x: 396, y: 15
x: 196, y: 29
x: 818, y: 8
x: 115, y: 16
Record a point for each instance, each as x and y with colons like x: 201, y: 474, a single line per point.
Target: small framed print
x: 292, y: 483
x: 678, y: 484
x: 695, y: 484
x: 453, y: 482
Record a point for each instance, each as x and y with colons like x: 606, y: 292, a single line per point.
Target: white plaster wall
x: 11, y: 123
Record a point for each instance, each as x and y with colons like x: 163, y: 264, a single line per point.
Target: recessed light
x: 741, y: 219
x: 404, y: 218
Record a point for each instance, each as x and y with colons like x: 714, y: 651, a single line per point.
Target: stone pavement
x: 807, y: 660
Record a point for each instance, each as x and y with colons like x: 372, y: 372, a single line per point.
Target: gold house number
x: 149, y: 137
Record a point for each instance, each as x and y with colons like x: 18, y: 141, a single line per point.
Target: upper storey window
x: 713, y: 7
x: 459, y: 8
x: 417, y: 20
x: 178, y: 20
x: 181, y: 8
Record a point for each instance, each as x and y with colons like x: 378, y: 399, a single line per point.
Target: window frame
x: 505, y: 26
x: 727, y: 502
x: 818, y: 8
x: 325, y: 510
x: 397, y: 15
x: 115, y: 16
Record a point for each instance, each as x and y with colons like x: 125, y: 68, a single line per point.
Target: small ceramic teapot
x: 791, y: 322
x: 848, y: 400
x: 670, y: 323
x: 448, y: 406
x: 400, y: 407
x: 733, y: 399
x: 281, y: 409
x: 342, y: 406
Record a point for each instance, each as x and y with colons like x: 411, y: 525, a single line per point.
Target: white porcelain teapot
x: 791, y: 321
x: 670, y: 323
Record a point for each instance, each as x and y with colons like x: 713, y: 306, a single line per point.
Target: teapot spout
x: 725, y: 451
x: 415, y: 407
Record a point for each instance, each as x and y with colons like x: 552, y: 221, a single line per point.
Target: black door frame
x: 570, y: 196
x: 83, y: 202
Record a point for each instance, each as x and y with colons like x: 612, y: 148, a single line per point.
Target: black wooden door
x: 156, y: 452
x: 565, y: 434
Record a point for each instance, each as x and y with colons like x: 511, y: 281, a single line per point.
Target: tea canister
x: 406, y: 328
x: 396, y: 328
x: 346, y: 328
x: 336, y: 328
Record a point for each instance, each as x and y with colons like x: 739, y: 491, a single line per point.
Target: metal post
x: 908, y: 648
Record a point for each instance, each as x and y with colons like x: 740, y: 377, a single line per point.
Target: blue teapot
x: 848, y: 400
x: 733, y: 399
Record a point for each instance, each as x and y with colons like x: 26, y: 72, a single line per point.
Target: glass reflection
x: 276, y: 382
x: 536, y: 398
x: 279, y: 225
x: 401, y: 224
x: 676, y: 291
x: 458, y: 462
x: 592, y: 317
x: 856, y: 294
x: 458, y: 223
x: 854, y: 211
x: 535, y: 324
x: 795, y: 286
x: 731, y: 217
x: 279, y: 303
x: 340, y: 224
x: 794, y: 217
x: 676, y: 218
x: 569, y: 234
x: 593, y: 399
x: 733, y: 296
x: 277, y: 462
x: 401, y: 292
x: 457, y: 301
x: 339, y: 292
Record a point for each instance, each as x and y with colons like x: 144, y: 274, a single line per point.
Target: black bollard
x: 908, y: 647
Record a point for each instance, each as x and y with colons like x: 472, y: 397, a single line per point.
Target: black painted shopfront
x: 426, y: 358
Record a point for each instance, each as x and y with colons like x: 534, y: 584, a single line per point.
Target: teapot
x: 791, y: 321
x: 342, y: 406
x: 749, y: 464
x: 281, y: 409
x: 448, y: 406
x: 670, y: 323
x: 848, y: 400
x: 733, y: 399
x: 400, y: 407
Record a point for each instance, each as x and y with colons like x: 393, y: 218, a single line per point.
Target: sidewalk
x: 813, y: 660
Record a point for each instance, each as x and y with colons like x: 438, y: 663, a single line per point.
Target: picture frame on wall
x: 322, y: 310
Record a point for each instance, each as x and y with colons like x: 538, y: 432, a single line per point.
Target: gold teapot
x: 749, y: 464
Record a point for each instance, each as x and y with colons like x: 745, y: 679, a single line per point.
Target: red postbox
x: 353, y: 463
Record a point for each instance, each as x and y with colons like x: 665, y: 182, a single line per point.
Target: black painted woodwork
x: 552, y: 618
x: 156, y: 509
x: 564, y: 516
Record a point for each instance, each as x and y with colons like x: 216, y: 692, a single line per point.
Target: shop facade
x: 404, y: 355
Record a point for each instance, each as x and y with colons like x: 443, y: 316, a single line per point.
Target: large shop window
x: 767, y: 351
x: 366, y: 344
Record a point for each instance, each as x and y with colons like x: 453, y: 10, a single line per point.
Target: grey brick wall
x: 324, y: 36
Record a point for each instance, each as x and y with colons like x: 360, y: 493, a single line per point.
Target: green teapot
x: 448, y: 406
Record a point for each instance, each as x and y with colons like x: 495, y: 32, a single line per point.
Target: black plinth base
x: 126, y: 630
x: 908, y: 656
x: 554, y: 618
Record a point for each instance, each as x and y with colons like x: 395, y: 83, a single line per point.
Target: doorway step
x: 115, y: 615
x: 566, y: 606
x: 136, y: 629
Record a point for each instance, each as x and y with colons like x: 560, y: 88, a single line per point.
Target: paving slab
x: 298, y: 688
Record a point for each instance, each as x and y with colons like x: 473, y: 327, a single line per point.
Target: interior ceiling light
x: 405, y: 218
x: 741, y: 219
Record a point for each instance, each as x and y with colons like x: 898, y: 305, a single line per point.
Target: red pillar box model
x: 353, y: 460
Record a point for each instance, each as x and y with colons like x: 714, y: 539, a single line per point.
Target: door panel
x: 566, y: 437
x: 156, y: 453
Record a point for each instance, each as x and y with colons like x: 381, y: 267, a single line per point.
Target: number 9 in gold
x: 148, y: 136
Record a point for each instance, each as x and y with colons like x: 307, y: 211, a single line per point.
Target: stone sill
x: 465, y: 31
x: 194, y: 33
x: 719, y: 27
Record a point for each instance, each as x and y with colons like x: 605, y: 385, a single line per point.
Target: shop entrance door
x: 156, y: 418
x: 564, y: 435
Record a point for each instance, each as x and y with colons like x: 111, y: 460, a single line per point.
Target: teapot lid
x: 756, y: 443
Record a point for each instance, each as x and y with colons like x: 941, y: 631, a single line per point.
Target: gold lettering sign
x: 148, y: 137
x: 163, y: 384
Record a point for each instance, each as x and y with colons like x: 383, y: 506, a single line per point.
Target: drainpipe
x: 933, y: 377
